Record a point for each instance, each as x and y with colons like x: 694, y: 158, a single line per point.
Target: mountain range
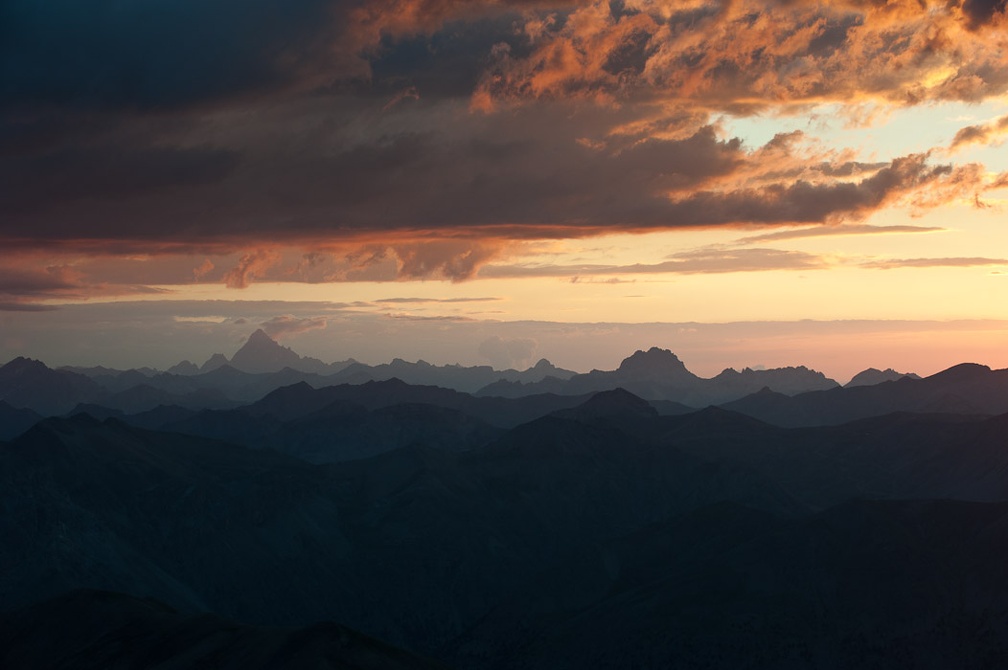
x: 289, y: 518
x: 709, y: 537
x: 262, y: 365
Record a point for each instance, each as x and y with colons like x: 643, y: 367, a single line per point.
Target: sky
x: 746, y: 183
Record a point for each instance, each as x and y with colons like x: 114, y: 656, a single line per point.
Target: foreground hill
x: 601, y: 535
x: 412, y: 546
x: 895, y: 584
x: 100, y: 629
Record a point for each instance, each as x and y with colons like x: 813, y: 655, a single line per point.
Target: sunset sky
x: 744, y: 183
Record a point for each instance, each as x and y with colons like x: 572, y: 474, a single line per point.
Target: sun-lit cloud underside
x: 499, y: 160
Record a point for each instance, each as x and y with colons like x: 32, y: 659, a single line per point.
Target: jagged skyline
x: 261, y: 353
x: 417, y: 177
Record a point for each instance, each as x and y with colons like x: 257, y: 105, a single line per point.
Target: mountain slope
x: 27, y: 383
x: 261, y: 353
x: 867, y: 584
x: 87, y: 629
x: 14, y: 421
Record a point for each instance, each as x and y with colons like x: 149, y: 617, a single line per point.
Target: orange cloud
x: 282, y: 326
x: 980, y: 134
x: 251, y: 265
x: 732, y: 55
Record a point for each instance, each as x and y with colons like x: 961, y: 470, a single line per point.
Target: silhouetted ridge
x: 186, y: 368
x: 714, y: 421
x: 872, y: 376
x: 608, y: 404
x: 261, y: 353
x: 25, y: 382
x: 14, y: 420
x: 957, y: 374
x: 22, y: 365
x: 654, y: 362
x: 214, y: 362
x: 298, y: 399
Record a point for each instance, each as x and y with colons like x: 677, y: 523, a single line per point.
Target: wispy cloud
x: 949, y: 262
x: 838, y: 230
x: 400, y: 301
x: 713, y: 261
x: 287, y: 324
x: 980, y: 134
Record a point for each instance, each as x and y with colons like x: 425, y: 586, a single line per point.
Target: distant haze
x: 124, y: 335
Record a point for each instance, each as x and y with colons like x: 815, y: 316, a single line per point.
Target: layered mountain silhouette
x: 873, y: 376
x: 601, y: 534
x: 14, y: 421
x: 963, y: 389
x: 262, y: 519
x: 658, y: 374
x: 262, y: 365
x: 27, y: 383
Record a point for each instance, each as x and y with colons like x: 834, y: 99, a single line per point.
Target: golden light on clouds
x: 619, y: 162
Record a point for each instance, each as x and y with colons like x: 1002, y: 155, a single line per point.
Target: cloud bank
x: 424, y: 139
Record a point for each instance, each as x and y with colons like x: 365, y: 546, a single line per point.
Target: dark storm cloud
x: 154, y: 54
x: 343, y: 169
x: 417, y: 138
x: 803, y: 201
x: 109, y: 172
x: 979, y: 13
x: 24, y: 287
x: 24, y: 307
x: 37, y: 282
x: 270, y: 183
x: 445, y: 63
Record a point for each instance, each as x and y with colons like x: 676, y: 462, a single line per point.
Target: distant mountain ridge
x: 873, y: 376
x: 262, y: 365
x: 658, y: 374
x: 965, y: 389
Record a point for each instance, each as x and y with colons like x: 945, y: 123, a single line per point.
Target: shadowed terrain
x: 99, y: 629
x: 543, y: 531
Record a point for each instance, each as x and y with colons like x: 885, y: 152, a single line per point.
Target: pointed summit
x: 617, y: 402
x: 261, y: 353
x: 185, y: 368
x: 214, y: 362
